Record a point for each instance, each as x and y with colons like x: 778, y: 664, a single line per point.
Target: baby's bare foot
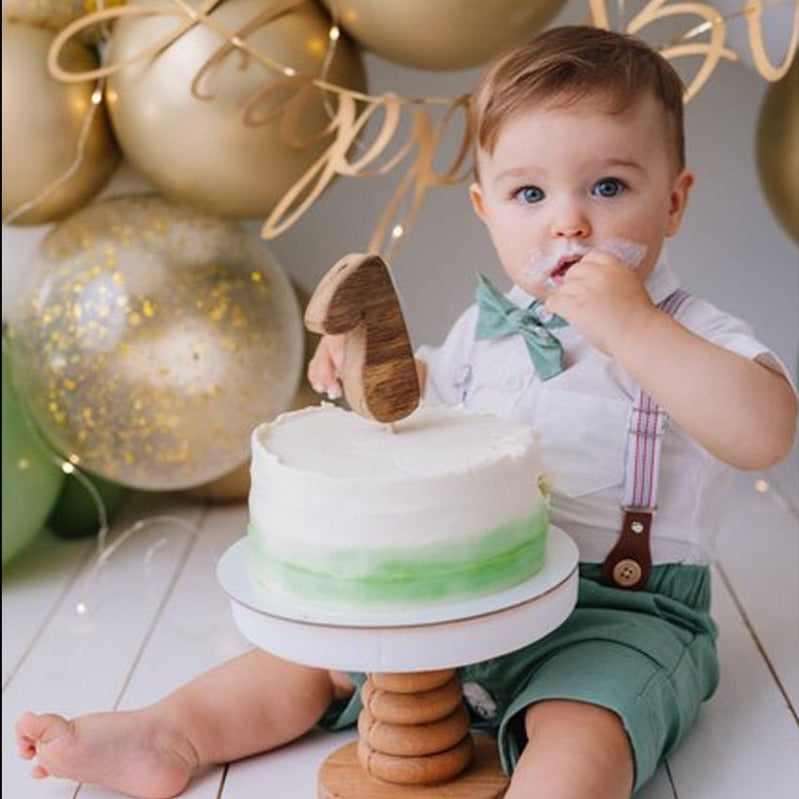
x: 127, y: 751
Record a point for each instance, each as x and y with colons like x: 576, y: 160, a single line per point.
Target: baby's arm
x: 739, y: 409
x: 324, y: 368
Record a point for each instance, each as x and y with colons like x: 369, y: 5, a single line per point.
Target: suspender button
x: 627, y: 573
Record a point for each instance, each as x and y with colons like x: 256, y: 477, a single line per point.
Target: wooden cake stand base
x: 341, y: 777
x: 414, y: 741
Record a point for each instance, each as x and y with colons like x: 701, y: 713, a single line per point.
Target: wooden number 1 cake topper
x: 357, y: 298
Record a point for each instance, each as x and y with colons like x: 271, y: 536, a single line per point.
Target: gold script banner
x: 713, y: 21
x: 350, y: 111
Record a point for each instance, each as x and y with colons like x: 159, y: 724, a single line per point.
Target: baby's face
x: 563, y: 181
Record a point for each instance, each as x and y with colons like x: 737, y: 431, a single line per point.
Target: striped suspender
x: 630, y: 561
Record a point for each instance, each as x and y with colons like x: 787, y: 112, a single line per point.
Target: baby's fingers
x: 324, y: 367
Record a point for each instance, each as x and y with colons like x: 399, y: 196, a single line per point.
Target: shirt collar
x: 661, y: 283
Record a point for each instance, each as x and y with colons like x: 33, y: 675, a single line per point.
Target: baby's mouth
x: 562, y: 266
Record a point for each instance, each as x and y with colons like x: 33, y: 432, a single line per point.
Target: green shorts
x: 649, y: 656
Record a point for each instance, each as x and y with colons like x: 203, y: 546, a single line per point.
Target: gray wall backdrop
x: 730, y: 250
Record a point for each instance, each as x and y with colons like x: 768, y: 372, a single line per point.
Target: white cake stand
x: 414, y: 737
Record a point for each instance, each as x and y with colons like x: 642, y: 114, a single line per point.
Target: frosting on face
x: 548, y: 268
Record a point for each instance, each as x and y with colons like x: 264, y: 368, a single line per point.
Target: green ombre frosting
x: 453, y: 570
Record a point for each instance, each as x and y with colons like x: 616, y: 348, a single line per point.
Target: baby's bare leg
x: 247, y: 705
x: 574, y: 751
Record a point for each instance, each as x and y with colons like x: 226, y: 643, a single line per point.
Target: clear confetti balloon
x: 235, y: 486
x: 151, y: 339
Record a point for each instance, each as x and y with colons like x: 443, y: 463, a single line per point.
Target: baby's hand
x: 324, y: 368
x: 603, y: 298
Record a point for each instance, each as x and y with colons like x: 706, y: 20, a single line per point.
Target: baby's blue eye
x: 608, y: 187
x: 529, y: 194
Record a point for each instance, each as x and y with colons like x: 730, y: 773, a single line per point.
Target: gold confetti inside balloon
x: 51, y: 166
x: 152, y: 339
x: 235, y: 485
x: 778, y: 150
x: 442, y: 34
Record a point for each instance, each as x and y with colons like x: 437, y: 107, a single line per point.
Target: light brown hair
x: 564, y: 65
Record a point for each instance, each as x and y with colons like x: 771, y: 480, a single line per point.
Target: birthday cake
x: 441, y: 506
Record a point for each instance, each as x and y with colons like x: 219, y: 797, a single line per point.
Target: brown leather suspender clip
x: 629, y: 562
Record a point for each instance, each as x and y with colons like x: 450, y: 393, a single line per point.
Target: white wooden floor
x: 154, y: 616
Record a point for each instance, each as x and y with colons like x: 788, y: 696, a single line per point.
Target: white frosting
x: 327, y: 477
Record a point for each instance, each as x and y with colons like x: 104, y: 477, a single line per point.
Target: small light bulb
x: 397, y: 231
x: 334, y: 33
x: 67, y: 467
x: 761, y: 486
x: 97, y: 96
x: 289, y: 72
x: 80, y: 608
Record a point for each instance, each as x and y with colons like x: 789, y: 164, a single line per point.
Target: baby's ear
x: 476, y: 196
x: 678, y: 200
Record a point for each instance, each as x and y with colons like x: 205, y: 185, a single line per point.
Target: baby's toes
x: 39, y: 727
x: 39, y: 772
x: 25, y: 749
x: 26, y: 724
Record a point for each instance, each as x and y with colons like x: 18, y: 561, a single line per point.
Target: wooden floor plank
x: 758, y: 550
x: 194, y: 633
x: 294, y: 767
x: 82, y: 661
x: 34, y: 585
x: 195, y: 630
x: 659, y: 787
x: 746, y: 741
x: 161, y: 618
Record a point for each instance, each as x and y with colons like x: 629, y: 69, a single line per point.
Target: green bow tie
x: 497, y: 317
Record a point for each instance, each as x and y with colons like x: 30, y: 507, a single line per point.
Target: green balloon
x: 31, y: 477
x: 75, y: 513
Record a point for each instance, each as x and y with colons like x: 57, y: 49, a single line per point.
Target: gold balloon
x: 778, y: 150
x: 442, y: 34
x: 42, y: 124
x: 152, y: 339
x: 54, y: 15
x: 201, y: 151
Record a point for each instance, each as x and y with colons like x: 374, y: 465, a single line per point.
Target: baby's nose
x: 573, y: 230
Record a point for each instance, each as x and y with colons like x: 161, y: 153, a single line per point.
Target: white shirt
x: 581, y: 419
